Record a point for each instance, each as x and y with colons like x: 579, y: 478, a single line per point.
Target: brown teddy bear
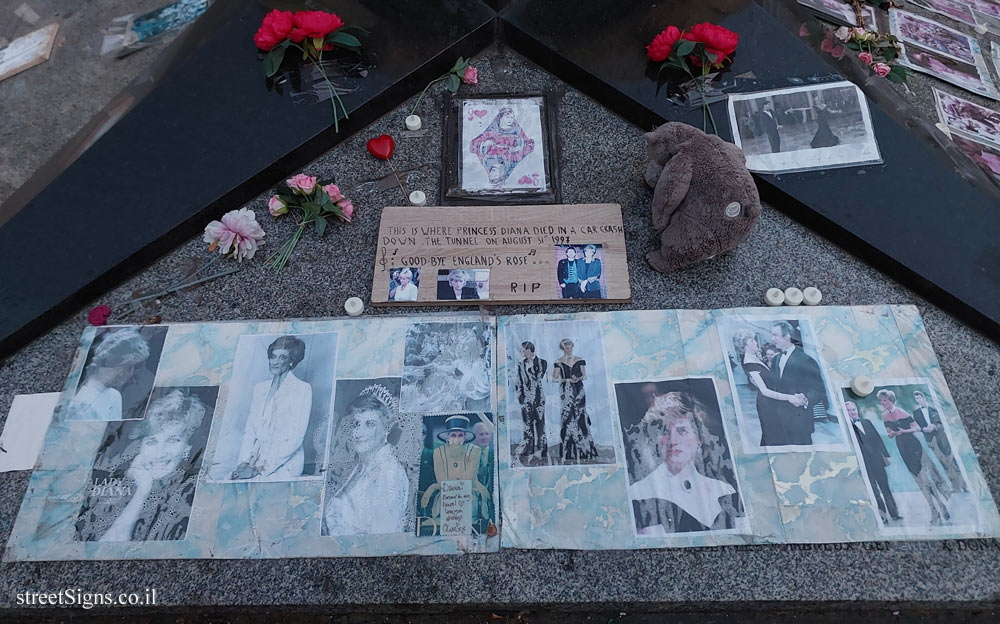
x: 705, y: 202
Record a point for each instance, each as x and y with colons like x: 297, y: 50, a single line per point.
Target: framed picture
x: 500, y: 150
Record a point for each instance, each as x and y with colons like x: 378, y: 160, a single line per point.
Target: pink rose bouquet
x: 312, y: 33
x: 310, y: 201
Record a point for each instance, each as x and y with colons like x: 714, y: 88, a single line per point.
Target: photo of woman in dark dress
x: 824, y: 136
x: 570, y: 371
x: 772, y: 429
x: 901, y: 426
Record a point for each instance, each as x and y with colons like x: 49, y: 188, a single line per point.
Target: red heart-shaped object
x: 381, y: 147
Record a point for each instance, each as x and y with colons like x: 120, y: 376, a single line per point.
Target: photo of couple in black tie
x: 779, y: 387
x: 908, y: 458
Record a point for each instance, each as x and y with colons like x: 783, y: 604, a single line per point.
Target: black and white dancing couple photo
x: 797, y: 129
x: 680, y: 467
x: 779, y: 387
x: 557, y: 395
x: 908, y: 459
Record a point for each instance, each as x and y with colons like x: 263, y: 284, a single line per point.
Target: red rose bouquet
x: 704, y: 49
x: 312, y: 33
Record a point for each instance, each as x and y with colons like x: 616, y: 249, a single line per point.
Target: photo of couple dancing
x: 908, y: 458
x: 579, y: 272
x: 778, y: 385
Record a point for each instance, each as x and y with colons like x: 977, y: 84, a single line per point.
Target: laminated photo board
x: 264, y: 439
x: 674, y: 428
x: 476, y: 255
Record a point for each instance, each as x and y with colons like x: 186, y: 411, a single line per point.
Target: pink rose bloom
x: 334, y: 192
x: 348, y: 209
x: 882, y: 69
x: 302, y: 183
x: 237, y: 233
x: 866, y: 58
x: 276, y: 207
x: 471, y: 75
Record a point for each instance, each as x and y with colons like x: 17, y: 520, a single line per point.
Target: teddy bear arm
x: 671, y: 189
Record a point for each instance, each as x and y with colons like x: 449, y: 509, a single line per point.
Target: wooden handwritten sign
x: 501, y: 254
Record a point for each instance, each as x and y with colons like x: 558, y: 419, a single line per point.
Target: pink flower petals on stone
x: 237, y: 233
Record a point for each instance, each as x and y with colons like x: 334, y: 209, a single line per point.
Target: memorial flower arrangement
x: 310, y: 201
x: 312, y: 33
x: 701, y: 52
x: 462, y: 72
x: 879, y: 52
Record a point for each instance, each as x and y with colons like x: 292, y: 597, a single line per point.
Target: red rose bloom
x: 663, y: 44
x: 99, y: 315
x: 718, y: 41
x: 276, y: 26
x: 314, y: 24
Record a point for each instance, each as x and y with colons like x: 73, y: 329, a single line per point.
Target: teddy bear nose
x: 733, y: 210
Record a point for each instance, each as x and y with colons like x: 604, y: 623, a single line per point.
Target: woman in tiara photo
x: 373, y: 498
x: 115, y: 358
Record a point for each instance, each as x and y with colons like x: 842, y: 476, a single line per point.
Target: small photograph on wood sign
x: 580, y: 272
x: 463, y: 284
x: 404, y: 283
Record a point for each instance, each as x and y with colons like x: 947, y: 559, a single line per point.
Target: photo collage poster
x: 730, y: 427
x: 363, y: 437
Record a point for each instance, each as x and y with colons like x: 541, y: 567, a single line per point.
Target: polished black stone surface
x: 912, y: 216
x: 209, y: 137
x: 206, y: 139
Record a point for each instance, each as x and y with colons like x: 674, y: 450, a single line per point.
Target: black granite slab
x: 911, y: 216
x: 206, y: 139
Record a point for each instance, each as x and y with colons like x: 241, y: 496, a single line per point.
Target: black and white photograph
x: 680, y: 468
x: 580, y: 272
x: 927, y: 33
x: 558, y: 406
x: 969, y: 76
x: 145, y: 474
x: 915, y: 479
x: 368, y: 489
x: 277, y: 413
x: 446, y: 368
x: 840, y: 12
x: 964, y: 116
x: 118, y: 374
x: 780, y: 389
x: 404, y: 283
x: 463, y: 284
x: 803, y: 128
x: 457, y: 447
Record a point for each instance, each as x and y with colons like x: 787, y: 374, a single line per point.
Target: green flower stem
x: 424, y: 92
x: 178, y: 287
x: 334, y: 96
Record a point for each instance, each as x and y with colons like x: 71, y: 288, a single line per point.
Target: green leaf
x: 712, y: 58
x: 353, y: 28
x: 272, y: 61
x: 453, y: 83
x: 320, y: 225
x: 344, y: 40
x: 890, y: 55
x: 290, y: 200
x: 322, y: 198
x: 459, y: 65
x: 898, y: 74
x: 684, y: 47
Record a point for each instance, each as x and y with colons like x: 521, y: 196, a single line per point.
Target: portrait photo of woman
x: 143, y: 483
x: 277, y: 408
x: 118, y: 375
x: 681, y: 476
x: 458, y: 285
x: 404, y: 283
x: 368, y: 489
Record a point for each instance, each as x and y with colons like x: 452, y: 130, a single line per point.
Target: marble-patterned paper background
x: 228, y: 520
x: 807, y: 497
